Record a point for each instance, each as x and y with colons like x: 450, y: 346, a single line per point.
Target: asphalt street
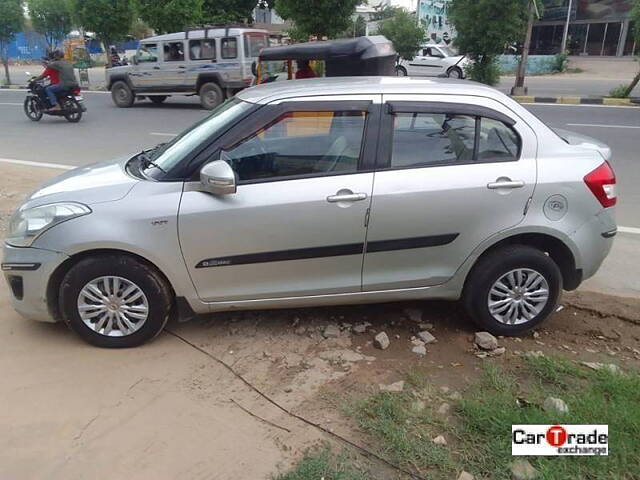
x: 107, y: 132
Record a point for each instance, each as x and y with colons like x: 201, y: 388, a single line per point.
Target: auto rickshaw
x: 360, y: 56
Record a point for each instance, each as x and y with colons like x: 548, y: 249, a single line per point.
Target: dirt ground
x: 224, y: 396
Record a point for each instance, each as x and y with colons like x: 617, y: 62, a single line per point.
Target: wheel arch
x: 553, y: 246
x: 210, y: 77
x: 55, y: 280
x: 121, y: 77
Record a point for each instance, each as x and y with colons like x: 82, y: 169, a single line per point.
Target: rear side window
x: 253, y: 44
x: 300, y: 144
x: 428, y: 139
x: 229, y: 47
x: 202, y: 49
x: 174, y: 52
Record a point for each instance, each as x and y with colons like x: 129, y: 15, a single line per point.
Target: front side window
x: 426, y: 139
x: 299, y: 144
x: 148, y: 52
x: 174, y: 52
x: 202, y: 49
x: 229, y: 47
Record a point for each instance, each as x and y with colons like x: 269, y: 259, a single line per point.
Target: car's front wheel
x: 115, y: 301
x: 512, y: 289
x: 122, y: 95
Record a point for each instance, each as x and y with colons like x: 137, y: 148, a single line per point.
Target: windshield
x: 169, y: 155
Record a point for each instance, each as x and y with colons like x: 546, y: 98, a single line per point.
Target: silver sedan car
x: 321, y: 192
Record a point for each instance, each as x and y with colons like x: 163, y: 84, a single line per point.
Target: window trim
x: 387, y: 131
x: 222, y: 55
x: 270, y: 113
x: 215, y: 52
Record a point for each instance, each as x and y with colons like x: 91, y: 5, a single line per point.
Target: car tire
x: 122, y: 95
x: 401, y: 72
x: 211, y: 95
x: 157, y: 99
x: 490, y: 281
x: 99, y: 293
x: 455, y: 72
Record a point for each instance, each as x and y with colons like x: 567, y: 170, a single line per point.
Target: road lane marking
x: 37, y: 164
x: 633, y: 230
x: 600, y: 125
x: 160, y: 134
x: 7, y: 103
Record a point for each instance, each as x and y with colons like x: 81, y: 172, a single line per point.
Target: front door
x: 428, y: 62
x: 296, y: 225
x: 455, y: 171
x: 174, y: 66
x: 147, y: 72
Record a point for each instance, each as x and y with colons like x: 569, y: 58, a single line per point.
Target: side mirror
x: 218, y: 178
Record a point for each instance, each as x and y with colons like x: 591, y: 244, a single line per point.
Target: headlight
x: 27, y: 224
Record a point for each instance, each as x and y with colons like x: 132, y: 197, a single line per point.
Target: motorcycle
x: 37, y: 104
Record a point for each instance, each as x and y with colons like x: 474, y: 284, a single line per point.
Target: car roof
x: 199, y: 34
x: 364, y: 85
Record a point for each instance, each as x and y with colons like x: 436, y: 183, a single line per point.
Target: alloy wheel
x: 113, y: 306
x: 518, y: 296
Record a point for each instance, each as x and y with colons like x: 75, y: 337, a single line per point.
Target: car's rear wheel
x: 115, y: 301
x: 454, y: 72
x: 122, y: 95
x: 401, y: 71
x: 211, y: 95
x: 157, y: 99
x: 512, y: 289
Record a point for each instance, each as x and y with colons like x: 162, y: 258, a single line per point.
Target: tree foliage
x: 484, y: 29
x: 11, y: 22
x: 404, y: 32
x: 166, y: 16
x: 227, y: 11
x: 51, y: 18
x: 321, y: 18
x: 635, y: 18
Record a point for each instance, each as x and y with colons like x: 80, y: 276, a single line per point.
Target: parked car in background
x: 213, y: 63
x: 270, y: 202
x: 434, y: 61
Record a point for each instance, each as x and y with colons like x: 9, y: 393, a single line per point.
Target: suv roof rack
x: 209, y: 26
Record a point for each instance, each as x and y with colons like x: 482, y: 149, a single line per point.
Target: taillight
x: 602, y: 183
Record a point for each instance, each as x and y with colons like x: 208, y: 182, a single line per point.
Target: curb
x: 615, y: 102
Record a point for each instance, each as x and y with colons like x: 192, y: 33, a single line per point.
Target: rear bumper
x: 27, y: 272
x: 594, y: 240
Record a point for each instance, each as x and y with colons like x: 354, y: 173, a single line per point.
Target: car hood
x: 579, y: 140
x: 97, y: 183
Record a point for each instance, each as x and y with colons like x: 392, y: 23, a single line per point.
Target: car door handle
x: 346, y: 197
x: 505, y: 183
x: 156, y: 68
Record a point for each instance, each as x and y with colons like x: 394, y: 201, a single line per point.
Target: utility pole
x: 565, y: 35
x: 519, y: 88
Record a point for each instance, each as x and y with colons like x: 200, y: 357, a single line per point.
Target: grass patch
x: 323, y: 464
x: 479, y: 433
x: 621, y: 91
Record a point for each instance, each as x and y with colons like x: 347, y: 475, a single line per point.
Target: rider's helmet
x: 57, y: 55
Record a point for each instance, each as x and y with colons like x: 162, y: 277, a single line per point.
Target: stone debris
x: 331, y: 331
x: 425, y: 326
x: 361, y: 327
x: 497, y: 352
x: 439, y: 440
x: 455, y: 396
x: 381, y: 341
x: 602, y: 366
x: 418, y: 405
x: 419, y: 350
x: 393, y: 387
x: 485, y: 341
x: 555, y: 405
x: 465, y: 476
x: 427, y: 337
x: 444, y: 409
x: 521, y: 469
x: 535, y: 354
x: 413, y: 314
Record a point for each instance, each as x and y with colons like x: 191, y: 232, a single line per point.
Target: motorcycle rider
x: 62, y: 71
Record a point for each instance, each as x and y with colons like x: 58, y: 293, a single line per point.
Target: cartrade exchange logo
x: 560, y: 440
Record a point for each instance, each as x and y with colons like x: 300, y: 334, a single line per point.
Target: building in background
x: 597, y: 27
x: 434, y: 18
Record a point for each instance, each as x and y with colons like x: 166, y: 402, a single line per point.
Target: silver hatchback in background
x: 321, y: 192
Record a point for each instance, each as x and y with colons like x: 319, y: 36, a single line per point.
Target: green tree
x: 166, y: 16
x: 51, y: 18
x: 11, y: 22
x: 404, y: 32
x: 228, y: 11
x: 110, y: 20
x: 321, y: 18
x: 360, y: 27
x: 635, y: 18
x: 484, y: 29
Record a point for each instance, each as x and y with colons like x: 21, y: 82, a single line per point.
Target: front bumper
x: 27, y: 272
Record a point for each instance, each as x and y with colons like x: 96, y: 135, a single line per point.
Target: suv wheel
x: 211, y: 95
x: 115, y: 301
x: 122, y: 95
x: 513, y: 289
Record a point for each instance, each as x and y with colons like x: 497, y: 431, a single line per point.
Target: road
x: 107, y: 132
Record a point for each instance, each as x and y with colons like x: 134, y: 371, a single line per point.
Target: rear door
x: 453, y: 171
x: 202, y: 57
x: 296, y: 225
